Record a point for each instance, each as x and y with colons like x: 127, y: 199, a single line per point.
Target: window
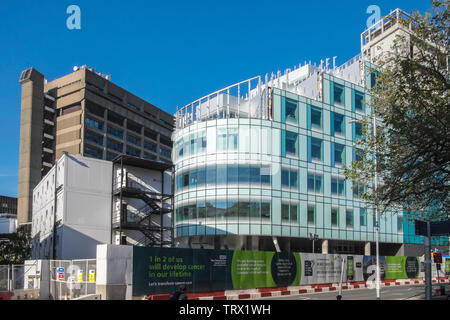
x: 363, y: 217
x: 334, y: 217
x: 285, y: 211
x: 255, y: 208
x: 115, y: 118
x: 285, y: 177
x: 265, y: 175
x: 316, y: 118
x: 293, y: 212
x: 165, y: 142
x: 311, y: 215
x: 338, y: 186
x: 338, y: 124
x: 358, y: 130
x: 349, y: 218
x: 151, y: 135
x: 316, y: 149
x: 94, y: 123
x: 291, y: 111
x: 193, y: 178
x: 165, y: 153
x: 399, y: 224
x: 358, y: 189
x: 357, y: 154
x: 232, y: 174
x: 289, y: 178
x: 134, y: 127
x: 359, y: 98
x: 93, y: 152
x: 133, y: 139
x: 210, y: 176
x: 117, y: 146
x: 201, y: 176
x: 244, y: 210
x: 339, y: 154
x: 265, y: 210
x: 133, y: 152
x: 115, y: 132
x: 315, y: 182
x: 291, y: 143
x: 221, y: 174
x: 93, y: 137
x: 227, y: 139
x: 244, y: 174
x: 150, y: 146
x: 338, y: 94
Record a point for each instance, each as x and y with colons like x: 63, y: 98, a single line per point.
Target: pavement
x: 365, y: 291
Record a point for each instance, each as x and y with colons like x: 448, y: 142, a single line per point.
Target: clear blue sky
x: 169, y: 52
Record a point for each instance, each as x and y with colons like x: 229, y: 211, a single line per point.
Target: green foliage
x: 411, y: 102
x: 17, y: 249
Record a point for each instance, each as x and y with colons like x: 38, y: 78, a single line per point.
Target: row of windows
x: 290, y: 109
x: 231, y: 209
x: 213, y: 175
x: 222, y: 174
x: 118, y: 133
x: 222, y: 210
x: 227, y: 139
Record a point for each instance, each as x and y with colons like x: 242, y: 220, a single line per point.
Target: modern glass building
x: 258, y: 165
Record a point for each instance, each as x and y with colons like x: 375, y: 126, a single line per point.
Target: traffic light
x: 437, y: 257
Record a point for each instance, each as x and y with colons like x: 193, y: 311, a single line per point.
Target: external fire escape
x: 148, y: 216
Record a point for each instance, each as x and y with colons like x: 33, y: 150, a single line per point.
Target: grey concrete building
x: 83, y: 113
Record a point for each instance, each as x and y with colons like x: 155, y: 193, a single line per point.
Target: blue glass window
x: 291, y: 112
x: 316, y: 118
x: 338, y: 186
x: 363, y: 217
x: 244, y: 174
x: 115, y: 132
x: 339, y: 154
x: 338, y: 94
x: 334, y: 217
x: 221, y: 174
x: 359, y: 98
x: 349, y: 218
x: 339, y: 124
x: 316, y: 149
x: 291, y: 143
x: 311, y: 215
x: 315, y: 182
x: 232, y: 173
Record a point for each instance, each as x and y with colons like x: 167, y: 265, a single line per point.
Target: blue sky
x: 169, y: 52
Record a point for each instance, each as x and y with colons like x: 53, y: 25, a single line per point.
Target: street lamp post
x: 377, y: 224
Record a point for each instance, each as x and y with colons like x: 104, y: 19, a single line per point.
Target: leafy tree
x: 17, y: 248
x: 411, y: 104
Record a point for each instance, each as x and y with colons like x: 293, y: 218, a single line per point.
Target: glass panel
x: 232, y: 139
x: 285, y: 177
x: 316, y: 149
x: 311, y: 219
x: 255, y: 208
x: 292, y: 143
x: 221, y: 174
x: 232, y: 211
x: 244, y: 210
x: 316, y: 118
x: 285, y: 212
x: 291, y: 110
x: 334, y: 217
x: 338, y: 94
x: 293, y: 212
x: 265, y: 210
x: 265, y: 174
x: 339, y: 153
x: 221, y: 208
x: 201, y: 176
x: 244, y: 174
x: 363, y: 217
x: 359, y: 98
x: 339, y: 124
x: 255, y: 174
x: 211, y: 175
x: 349, y: 218
x: 293, y: 180
x: 232, y: 174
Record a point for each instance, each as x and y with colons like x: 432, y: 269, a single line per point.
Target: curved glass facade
x: 276, y: 176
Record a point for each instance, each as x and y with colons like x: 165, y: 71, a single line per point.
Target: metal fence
x: 70, y: 279
x: 19, y: 277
